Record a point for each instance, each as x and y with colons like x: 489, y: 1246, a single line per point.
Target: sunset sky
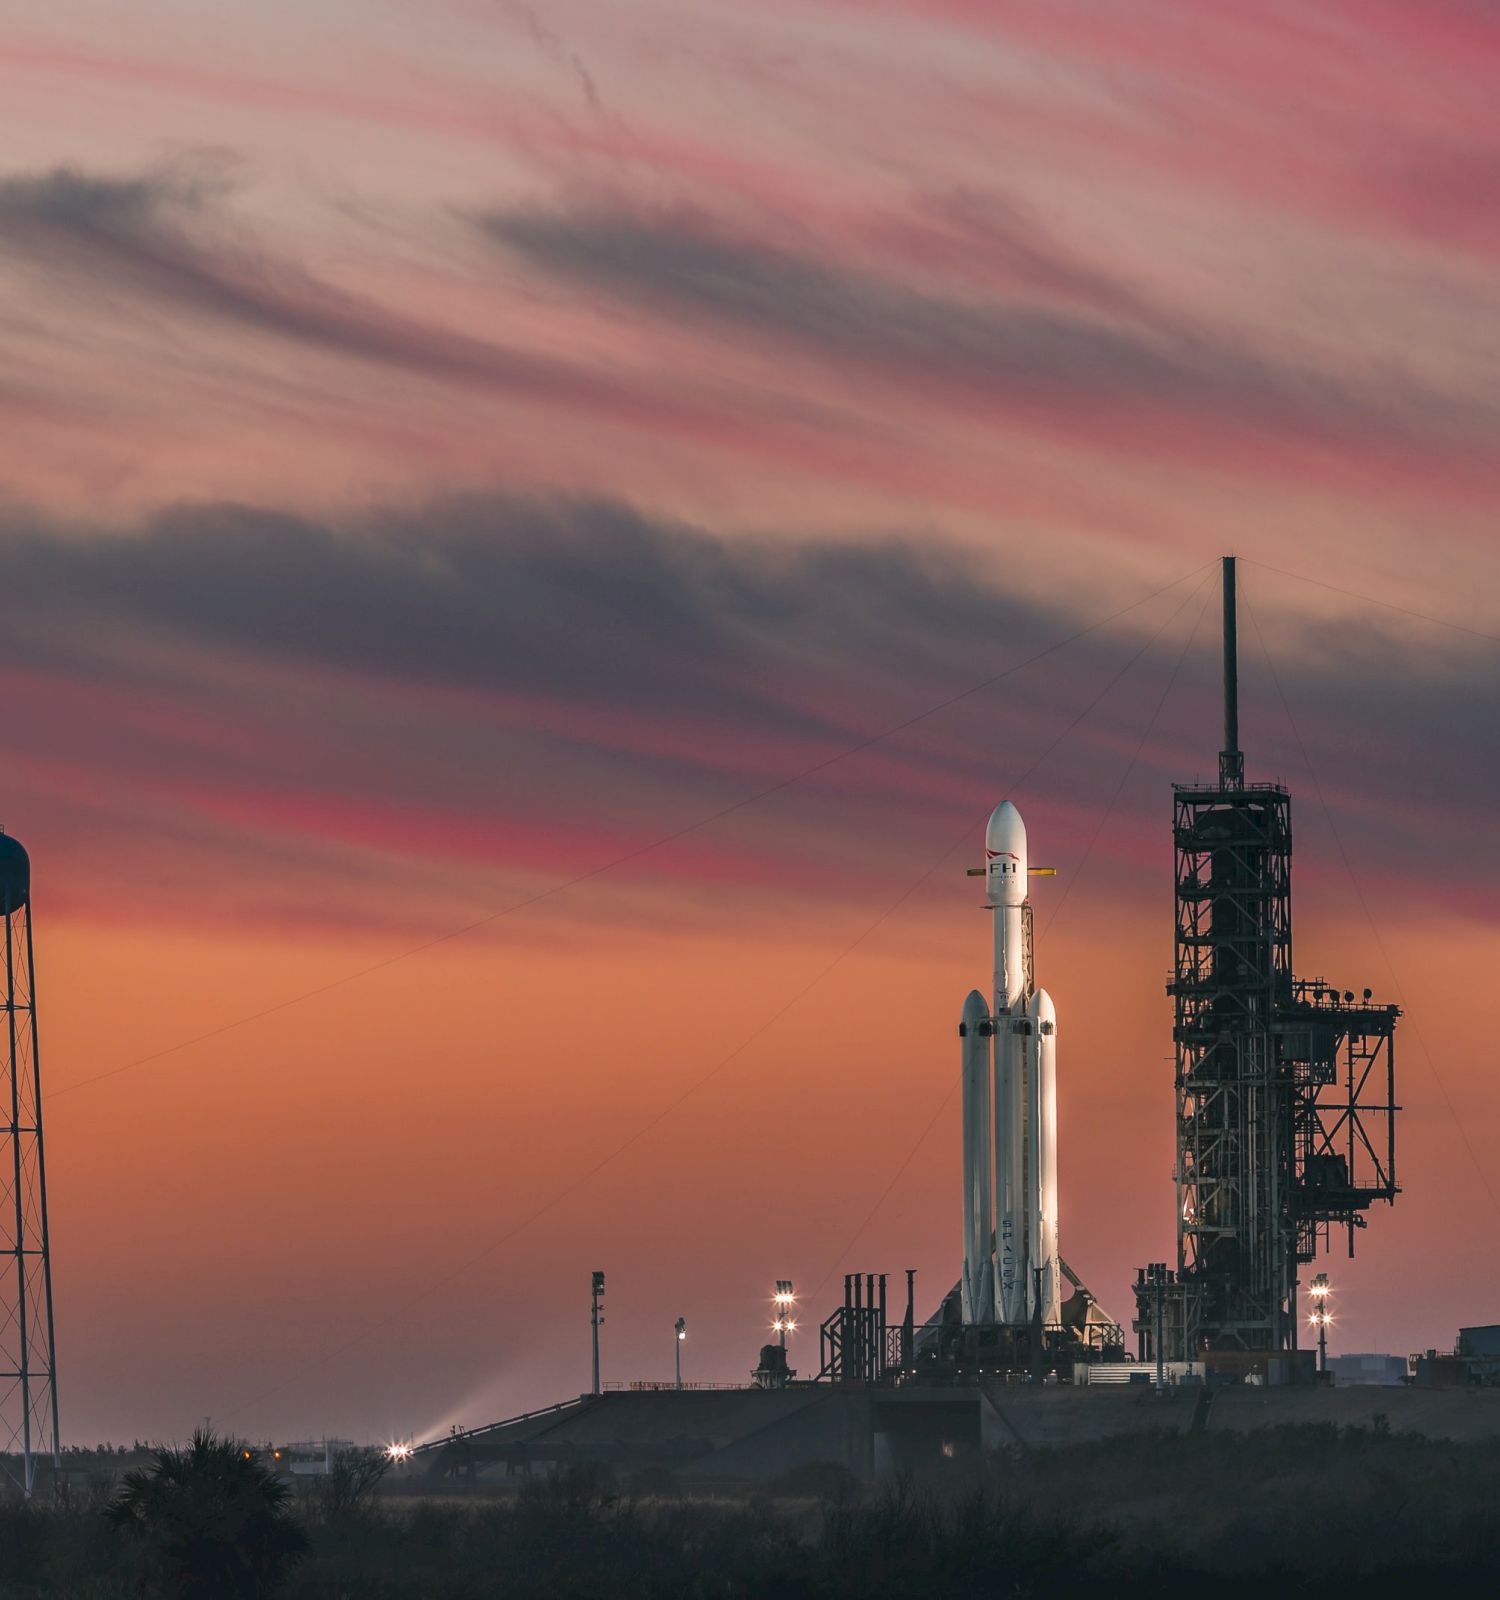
x: 525, y: 533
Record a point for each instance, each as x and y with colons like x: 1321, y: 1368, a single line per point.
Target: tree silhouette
x: 211, y: 1521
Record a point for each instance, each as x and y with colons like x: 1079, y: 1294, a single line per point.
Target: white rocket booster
x: 1010, y: 1100
x: 978, y: 1281
x: 1046, y: 1281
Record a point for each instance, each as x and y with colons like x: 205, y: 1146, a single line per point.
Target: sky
x: 534, y: 535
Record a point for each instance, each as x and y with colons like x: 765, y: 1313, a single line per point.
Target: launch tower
x: 28, y: 1364
x: 1285, y: 1087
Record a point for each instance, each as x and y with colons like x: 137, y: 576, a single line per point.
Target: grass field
x: 1314, y: 1510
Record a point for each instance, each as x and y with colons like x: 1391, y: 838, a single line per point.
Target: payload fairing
x: 1010, y: 1109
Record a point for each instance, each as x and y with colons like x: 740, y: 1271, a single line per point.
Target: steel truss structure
x: 28, y: 1359
x: 856, y: 1344
x: 1285, y: 1088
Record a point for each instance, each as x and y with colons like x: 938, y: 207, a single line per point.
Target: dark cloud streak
x: 591, y: 603
x: 155, y: 237
x: 644, y: 672
x: 1070, y: 350
x: 683, y: 265
x: 586, y: 599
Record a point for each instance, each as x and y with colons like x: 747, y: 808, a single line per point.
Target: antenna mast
x: 1231, y: 760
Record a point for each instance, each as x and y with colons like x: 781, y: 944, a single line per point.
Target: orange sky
x: 357, y: 1168
x: 443, y: 459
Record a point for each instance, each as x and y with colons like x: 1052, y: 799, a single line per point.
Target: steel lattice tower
x: 1285, y: 1113
x: 28, y: 1358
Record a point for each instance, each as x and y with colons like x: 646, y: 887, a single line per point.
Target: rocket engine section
x: 1010, y: 1108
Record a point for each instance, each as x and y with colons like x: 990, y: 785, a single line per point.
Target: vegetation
x: 207, y: 1523
x: 1313, y: 1510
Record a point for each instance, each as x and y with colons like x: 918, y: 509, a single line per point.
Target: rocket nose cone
x: 976, y: 1009
x: 1042, y: 1008
x: 1005, y: 830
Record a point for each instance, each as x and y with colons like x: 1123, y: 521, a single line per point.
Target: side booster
x: 1010, y: 1108
x: 978, y: 1282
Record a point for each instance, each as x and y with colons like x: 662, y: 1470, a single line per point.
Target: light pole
x: 677, y: 1347
x: 595, y: 1319
x: 1319, y: 1289
x: 783, y: 1300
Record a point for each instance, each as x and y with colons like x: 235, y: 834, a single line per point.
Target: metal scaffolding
x: 856, y: 1344
x: 1233, y: 965
x: 1285, y: 1089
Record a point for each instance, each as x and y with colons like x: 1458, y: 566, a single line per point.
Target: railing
x: 458, y: 1435
x: 652, y: 1386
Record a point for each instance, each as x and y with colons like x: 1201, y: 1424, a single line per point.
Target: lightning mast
x: 28, y: 1357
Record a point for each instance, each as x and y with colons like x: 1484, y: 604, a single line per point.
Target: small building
x: 1434, y: 1369
x: 310, y: 1458
x: 1479, y: 1348
x: 1385, y: 1372
x: 1473, y: 1364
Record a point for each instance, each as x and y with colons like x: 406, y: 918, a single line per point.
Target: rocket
x: 1009, y: 1059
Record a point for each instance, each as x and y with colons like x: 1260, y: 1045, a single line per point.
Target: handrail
x: 461, y: 1434
x: 653, y: 1386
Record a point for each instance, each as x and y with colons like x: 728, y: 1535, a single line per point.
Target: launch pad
x: 859, y: 1345
x: 1284, y: 1120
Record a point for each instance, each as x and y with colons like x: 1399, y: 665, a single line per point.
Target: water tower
x: 28, y: 1362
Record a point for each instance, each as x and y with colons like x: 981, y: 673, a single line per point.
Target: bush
x: 209, y: 1522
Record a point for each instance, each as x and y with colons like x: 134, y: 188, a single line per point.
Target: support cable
x: 1114, y: 799
x: 472, y: 1260
x: 1197, y: 594
x: 1364, y: 906
x: 626, y: 857
x: 1369, y: 599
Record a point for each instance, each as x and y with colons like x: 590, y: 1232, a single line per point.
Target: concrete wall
x: 748, y: 1436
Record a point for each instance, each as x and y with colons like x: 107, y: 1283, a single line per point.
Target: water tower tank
x: 15, y: 874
